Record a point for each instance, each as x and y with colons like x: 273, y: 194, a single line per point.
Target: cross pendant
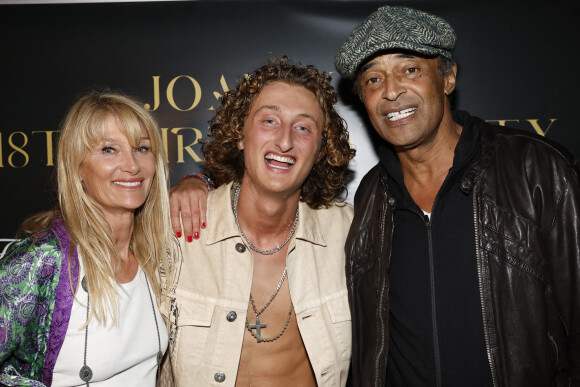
x: 258, y: 327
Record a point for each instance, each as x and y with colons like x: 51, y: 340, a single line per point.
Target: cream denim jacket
x: 209, y: 287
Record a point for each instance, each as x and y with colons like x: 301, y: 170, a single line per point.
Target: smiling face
x: 282, y: 138
x: 405, y: 97
x: 117, y: 175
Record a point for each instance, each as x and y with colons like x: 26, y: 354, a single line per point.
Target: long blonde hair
x: 83, y: 128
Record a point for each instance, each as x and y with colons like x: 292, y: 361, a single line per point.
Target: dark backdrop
x: 517, y: 65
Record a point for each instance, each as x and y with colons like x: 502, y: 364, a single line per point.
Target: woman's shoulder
x: 35, y: 251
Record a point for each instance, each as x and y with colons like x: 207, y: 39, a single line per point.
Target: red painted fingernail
x: 178, y: 234
x: 189, y: 238
x: 203, y: 225
x: 196, y: 235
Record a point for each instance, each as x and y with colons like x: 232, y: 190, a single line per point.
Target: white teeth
x: 282, y: 159
x: 128, y: 184
x: 401, y: 114
x: 278, y: 166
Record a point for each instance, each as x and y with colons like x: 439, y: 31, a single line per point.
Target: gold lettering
x: 49, y: 154
x: 224, y: 86
x: 537, y: 127
x: 181, y: 147
x: 197, y: 92
x: 155, y: 95
x: 18, y: 149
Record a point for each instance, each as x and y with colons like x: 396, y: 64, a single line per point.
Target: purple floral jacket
x: 36, y: 297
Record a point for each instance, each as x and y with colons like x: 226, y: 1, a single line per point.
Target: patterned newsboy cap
x: 395, y: 28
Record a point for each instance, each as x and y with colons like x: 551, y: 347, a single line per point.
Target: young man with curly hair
x: 261, y: 298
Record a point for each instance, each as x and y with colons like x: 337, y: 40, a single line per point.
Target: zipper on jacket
x: 381, y: 297
x: 382, y: 329
x: 436, y: 353
x: 480, y: 280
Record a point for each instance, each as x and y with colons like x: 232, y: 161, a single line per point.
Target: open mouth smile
x: 395, y: 116
x: 280, y: 162
x: 128, y: 184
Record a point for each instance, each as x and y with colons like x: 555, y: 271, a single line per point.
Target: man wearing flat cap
x: 463, y: 259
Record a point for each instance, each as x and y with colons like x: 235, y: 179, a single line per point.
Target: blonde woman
x: 79, y: 294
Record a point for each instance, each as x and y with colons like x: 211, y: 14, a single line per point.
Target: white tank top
x: 124, y: 354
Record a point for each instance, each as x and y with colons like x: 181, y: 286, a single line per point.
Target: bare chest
x: 273, y: 353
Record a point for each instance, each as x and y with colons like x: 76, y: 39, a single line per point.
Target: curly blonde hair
x: 225, y: 162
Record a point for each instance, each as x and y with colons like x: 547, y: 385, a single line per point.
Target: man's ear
x: 241, y: 145
x: 450, y: 80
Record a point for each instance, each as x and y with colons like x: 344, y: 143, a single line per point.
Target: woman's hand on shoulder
x: 188, y: 199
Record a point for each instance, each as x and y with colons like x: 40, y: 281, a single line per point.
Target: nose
x: 393, y: 88
x: 284, y: 142
x: 130, y: 163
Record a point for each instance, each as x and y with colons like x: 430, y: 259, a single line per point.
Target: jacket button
x: 231, y: 316
x: 466, y: 185
x: 240, y: 247
x: 392, y: 201
x: 219, y: 377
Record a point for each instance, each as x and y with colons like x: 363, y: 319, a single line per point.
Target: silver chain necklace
x: 86, y: 373
x: 271, y: 298
x: 259, y: 324
x: 237, y: 189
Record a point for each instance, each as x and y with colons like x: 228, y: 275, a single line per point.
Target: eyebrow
x: 269, y: 107
x: 277, y: 109
x: 115, y: 140
x: 365, y: 67
x: 371, y: 64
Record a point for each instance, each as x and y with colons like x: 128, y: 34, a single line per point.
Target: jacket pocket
x: 189, y: 312
x: 511, y: 238
x: 341, y: 329
x: 190, y: 325
x: 339, y: 310
x: 341, y: 333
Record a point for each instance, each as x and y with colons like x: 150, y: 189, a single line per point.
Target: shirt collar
x: 221, y: 223
x: 309, y: 228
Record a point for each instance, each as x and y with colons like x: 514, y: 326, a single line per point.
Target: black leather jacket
x: 526, y: 200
